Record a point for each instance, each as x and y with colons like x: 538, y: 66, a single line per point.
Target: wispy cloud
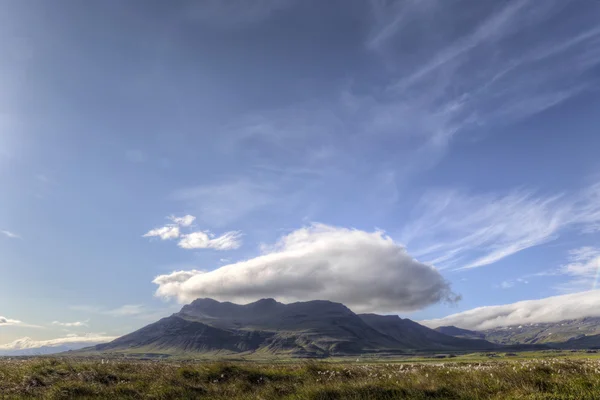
x: 582, y: 269
x: 11, y: 235
x: 495, y: 73
x: 76, y: 324
x: 195, y: 240
x: 455, y: 229
x: 4, y: 321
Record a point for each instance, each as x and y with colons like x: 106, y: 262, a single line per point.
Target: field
x: 550, y: 376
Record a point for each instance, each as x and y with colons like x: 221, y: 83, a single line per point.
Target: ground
x: 554, y: 375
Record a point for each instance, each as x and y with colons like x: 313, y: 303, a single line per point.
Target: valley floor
x: 569, y: 377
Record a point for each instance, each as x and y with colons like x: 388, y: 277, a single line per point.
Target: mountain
x: 460, y: 333
x: 304, y: 329
x: 580, y: 332
x: 582, y: 342
x: 29, y: 347
x: 415, y: 336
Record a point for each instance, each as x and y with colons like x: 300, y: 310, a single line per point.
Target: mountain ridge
x: 317, y: 328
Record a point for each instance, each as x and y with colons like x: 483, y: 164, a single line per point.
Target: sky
x: 420, y: 158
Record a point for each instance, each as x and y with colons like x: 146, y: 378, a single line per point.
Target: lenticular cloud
x: 367, y: 271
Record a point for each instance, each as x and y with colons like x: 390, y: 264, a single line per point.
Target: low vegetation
x: 63, y: 378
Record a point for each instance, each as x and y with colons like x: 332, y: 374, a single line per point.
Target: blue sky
x: 416, y: 157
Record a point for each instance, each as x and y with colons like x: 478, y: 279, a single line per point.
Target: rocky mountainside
x: 303, y: 329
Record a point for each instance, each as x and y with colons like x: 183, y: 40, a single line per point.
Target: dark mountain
x: 412, y: 335
x: 460, y: 333
x: 578, y: 343
x: 303, y: 329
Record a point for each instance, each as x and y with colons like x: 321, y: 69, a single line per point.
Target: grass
x: 526, y: 378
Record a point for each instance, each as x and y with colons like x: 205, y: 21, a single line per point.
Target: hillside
x: 303, y: 329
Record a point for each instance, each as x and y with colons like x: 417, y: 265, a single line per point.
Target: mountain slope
x: 418, y: 337
x: 308, y: 329
x: 460, y: 333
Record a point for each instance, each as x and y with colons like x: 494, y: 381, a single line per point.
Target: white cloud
x: 28, y: 346
x: 186, y: 220
x: 8, y: 322
x: 551, y: 309
x: 203, y: 240
x: 195, y: 240
x: 455, y: 229
x: 165, y: 233
x: 367, y: 271
x: 76, y: 324
x: 10, y: 235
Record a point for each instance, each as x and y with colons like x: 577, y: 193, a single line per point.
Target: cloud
x: 455, y: 229
x: 165, y: 232
x: 202, y: 240
x: 76, y: 324
x: 7, y: 322
x: 493, y: 67
x: 551, y: 309
x: 10, y: 235
x: 583, y: 268
x: 367, y: 271
x: 4, y: 322
x: 186, y: 220
x: 195, y: 240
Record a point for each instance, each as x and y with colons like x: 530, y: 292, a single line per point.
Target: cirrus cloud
x: 367, y: 271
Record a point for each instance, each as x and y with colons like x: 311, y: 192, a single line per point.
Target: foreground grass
x: 63, y: 378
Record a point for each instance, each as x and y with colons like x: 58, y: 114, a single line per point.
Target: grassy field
x: 572, y: 377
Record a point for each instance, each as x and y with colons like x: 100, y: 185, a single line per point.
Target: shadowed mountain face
x: 310, y: 329
x: 460, y: 333
x: 415, y: 336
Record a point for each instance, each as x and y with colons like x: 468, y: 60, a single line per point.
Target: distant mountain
x: 30, y: 347
x: 460, y: 333
x: 583, y: 332
x: 303, y: 329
